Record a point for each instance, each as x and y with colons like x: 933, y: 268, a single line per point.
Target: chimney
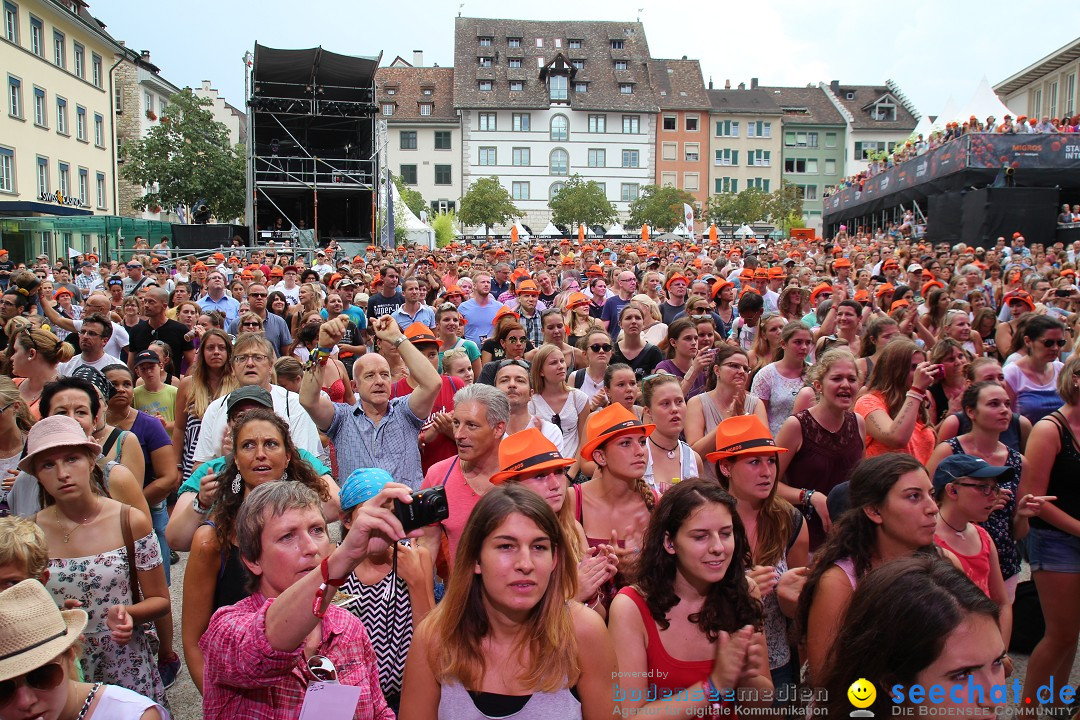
x: 742, y: 86
x: 753, y: 83
x: 727, y: 84
x: 145, y: 55
x: 418, y: 58
x: 710, y: 82
x: 834, y: 86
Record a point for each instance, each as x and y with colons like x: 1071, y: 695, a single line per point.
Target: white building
x: 878, y: 118
x: 1047, y: 88
x: 225, y: 113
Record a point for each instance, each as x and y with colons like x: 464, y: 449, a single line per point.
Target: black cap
x: 147, y: 356
x: 253, y: 393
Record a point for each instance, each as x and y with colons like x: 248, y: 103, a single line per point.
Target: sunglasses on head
x: 45, y: 677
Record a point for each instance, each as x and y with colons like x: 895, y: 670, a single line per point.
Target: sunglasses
x: 1048, y: 343
x: 45, y: 677
x: 600, y: 347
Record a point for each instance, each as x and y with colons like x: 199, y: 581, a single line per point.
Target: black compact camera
x: 427, y: 508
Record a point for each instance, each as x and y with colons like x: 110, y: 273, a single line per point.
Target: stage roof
x: 313, y: 66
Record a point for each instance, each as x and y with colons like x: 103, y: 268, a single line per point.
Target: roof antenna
x: 639, y: 11
x: 460, y: 5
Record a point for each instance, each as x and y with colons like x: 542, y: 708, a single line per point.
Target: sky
x: 932, y: 49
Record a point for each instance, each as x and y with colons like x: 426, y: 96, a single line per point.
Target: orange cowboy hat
x: 525, y: 453
x: 884, y: 289
x: 823, y: 287
x: 673, y: 278
x: 454, y: 290
x: 777, y: 273
x: 611, y: 422
x: 927, y: 287
x: 418, y: 334
x: 575, y: 300
x: 901, y: 303
x: 720, y: 286
x: 594, y: 271
x: 742, y: 435
x: 761, y: 273
x: 527, y: 287
x: 504, y: 311
x: 1019, y: 296
x: 862, y: 296
x: 841, y: 263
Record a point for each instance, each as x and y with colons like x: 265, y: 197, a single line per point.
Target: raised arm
x: 421, y: 371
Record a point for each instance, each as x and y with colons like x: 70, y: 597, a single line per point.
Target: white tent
x: 523, y: 234
x: 681, y: 230
x: 744, y: 231
x: 924, y: 128
x: 983, y: 103
x: 550, y: 231
x: 415, y: 231
x: 616, y: 230
x: 948, y: 114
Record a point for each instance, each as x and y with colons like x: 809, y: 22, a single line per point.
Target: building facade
x: 1047, y: 88
x: 423, y: 129
x: 745, y: 133
x: 225, y: 113
x: 541, y: 101
x: 682, y: 133
x: 814, y: 138
x: 878, y: 118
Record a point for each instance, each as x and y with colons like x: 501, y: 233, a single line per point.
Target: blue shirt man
x: 479, y: 311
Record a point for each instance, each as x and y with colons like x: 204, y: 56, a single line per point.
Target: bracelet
x: 808, y: 507
x: 316, y: 607
x: 197, y: 507
x: 917, y: 397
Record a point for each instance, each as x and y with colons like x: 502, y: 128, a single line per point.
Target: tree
x: 186, y: 157
x: 784, y: 204
x: 743, y: 208
x: 412, y: 198
x: 581, y: 202
x: 488, y: 203
x: 660, y: 207
x: 443, y: 225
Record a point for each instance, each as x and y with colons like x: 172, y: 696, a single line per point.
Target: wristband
x: 197, y: 507
x: 401, y: 339
x: 316, y: 607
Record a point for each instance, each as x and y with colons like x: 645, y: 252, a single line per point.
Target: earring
x: 237, y: 483
x: 284, y: 475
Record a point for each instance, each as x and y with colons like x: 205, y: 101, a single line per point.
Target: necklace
x: 670, y: 451
x: 76, y: 526
x: 959, y: 532
x: 89, y: 699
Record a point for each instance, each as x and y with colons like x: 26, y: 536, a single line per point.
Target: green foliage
x: 412, y: 197
x: 783, y: 204
x: 581, y: 202
x: 755, y: 205
x: 185, y: 157
x: 660, y: 207
x: 488, y: 203
x: 444, y: 224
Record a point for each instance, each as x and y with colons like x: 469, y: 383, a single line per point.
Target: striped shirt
x: 391, y: 445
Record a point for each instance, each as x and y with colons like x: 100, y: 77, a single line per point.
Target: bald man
x: 157, y: 326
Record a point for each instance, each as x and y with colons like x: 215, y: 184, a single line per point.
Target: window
x: 621, y: 65
x: 487, y: 156
x: 671, y: 123
x: 485, y: 85
x: 691, y: 181
x: 631, y: 124
x: 863, y: 150
x: 443, y: 175
x: 7, y: 170
x: 517, y: 85
x: 597, y: 157
x: 59, y: 56
x: 101, y: 199
x: 408, y: 139
x: 669, y: 179
x: 726, y: 157
x: 691, y: 152
x: 573, y: 44
x: 629, y: 192
x: 513, y: 42
x: 1070, y: 93
x: 522, y: 156
x: 388, y: 109
x: 80, y: 123
x: 42, y: 175
x: 809, y: 192
x: 759, y: 183
x: 800, y: 165
x: 485, y: 61
x: 99, y: 130
x: 811, y: 166
x: 631, y: 158
x: 14, y: 97
x: 849, y: 95
x: 554, y: 189
x: 11, y: 22
x: 521, y: 122
x: 80, y: 60
x: 830, y: 139
x: 830, y: 167
x: 425, y: 109
x: 442, y: 139
x: 162, y: 104
x: 487, y: 121
x: 1036, y: 103
x: 408, y: 174
x: 579, y: 64
x: 557, y: 87
x: 759, y: 129
x: 560, y: 129
x: 540, y: 43
x: 61, y: 116
x: 63, y: 172
x: 520, y: 190
x: 726, y: 185
x: 148, y: 102
x: 727, y: 128
x: 626, y: 88
x: 1053, y: 99
x: 691, y: 123
x: 581, y: 87
x: 39, y: 107
x: 559, y: 163
x: 486, y: 40
x: 37, y: 37
x: 598, y: 123
x: 617, y: 45
x: 669, y: 151
x: 811, y: 139
x: 514, y: 62
x: 884, y: 111
x: 95, y: 69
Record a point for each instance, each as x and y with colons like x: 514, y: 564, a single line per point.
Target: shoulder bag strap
x: 110, y: 441
x: 129, y: 542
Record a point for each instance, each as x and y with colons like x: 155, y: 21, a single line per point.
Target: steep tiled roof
x: 861, y: 106
x: 602, y: 46
x: 805, y: 105
x: 408, y: 85
x: 755, y: 101
x: 679, y: 85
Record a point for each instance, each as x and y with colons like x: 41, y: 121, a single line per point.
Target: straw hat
x: 612, y: 421
x: 33, y: 630
x: 52, y: 432
x: 527, y: 452
x: 743, y: 435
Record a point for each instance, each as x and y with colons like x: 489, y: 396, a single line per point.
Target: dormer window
x: 484, y: 85
x: 579, y: 64
x: 850, y: 95
x: 557, y: 88
x: 581, y: 87
x: 626, y: 88
x: 391, y: 91
x: 486, y: 40
x: 426, y: 91
x: 485, y: 61
x: 425, y: 108
x: 884, y: 111
x: 514, y: 62
x: 573, y: 44
x: 620, y: 65
x: 617, y: 44
x: 513, y: 42
x: 517, y: 85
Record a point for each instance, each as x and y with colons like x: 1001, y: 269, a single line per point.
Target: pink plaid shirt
x: 244, y: 677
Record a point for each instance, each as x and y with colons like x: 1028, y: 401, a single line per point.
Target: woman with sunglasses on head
x: 670, y: 459
x: 505, y: 641
x: 1032, y: 380
x: 631, y: 348
x: 894, y: 405
x: 826, y: 441
x: 555, y: 401
x: 511, y: 339
x: 35, y: 355
x: 692, y: 620
x: 778, y: 383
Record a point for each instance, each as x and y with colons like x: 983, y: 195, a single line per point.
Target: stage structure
x: 999, y: 172
x: 312, y: 145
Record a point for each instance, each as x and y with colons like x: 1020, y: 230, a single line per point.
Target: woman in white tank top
x: 669, y: 458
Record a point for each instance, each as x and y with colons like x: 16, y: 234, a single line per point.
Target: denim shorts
x: 1053, y: 550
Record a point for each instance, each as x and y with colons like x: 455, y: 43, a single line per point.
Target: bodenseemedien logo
x: 862, y: 694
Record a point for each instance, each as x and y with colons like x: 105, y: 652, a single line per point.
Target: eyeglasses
x: 89, y: 333
x: 600, y: 347
x: 986, y: 490
x: 45, y: 677
x: 322, y: 668
x: 249, y: 357
x: 737, y: 367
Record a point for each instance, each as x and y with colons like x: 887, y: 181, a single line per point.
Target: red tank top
x: 976, y: 567
x: 667, y: 673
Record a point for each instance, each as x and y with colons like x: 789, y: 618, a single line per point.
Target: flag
x: 688, y: 218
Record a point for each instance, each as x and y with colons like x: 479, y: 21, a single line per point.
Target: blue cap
x: 362, y: 485
x: 955, y: 467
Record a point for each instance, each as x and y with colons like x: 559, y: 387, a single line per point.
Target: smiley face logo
x: 862, y: 693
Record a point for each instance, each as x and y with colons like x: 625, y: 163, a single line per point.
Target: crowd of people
x: 569, y: 479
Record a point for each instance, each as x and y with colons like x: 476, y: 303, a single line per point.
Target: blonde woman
x: 211, y: 377
x: 553, y: 400
x: 310, y: 302
x: 655, y: 330
x: 35, y: 355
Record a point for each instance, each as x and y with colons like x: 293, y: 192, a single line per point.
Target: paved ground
x: 186, y: 703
